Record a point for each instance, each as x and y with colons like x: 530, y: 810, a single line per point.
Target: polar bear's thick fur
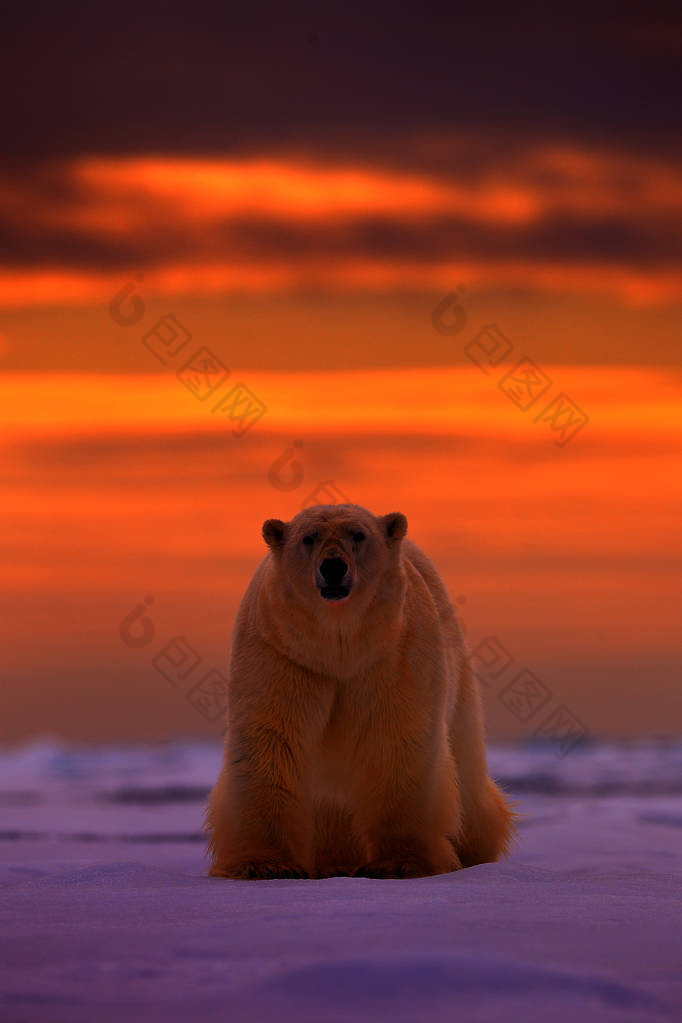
x: 355, y: 733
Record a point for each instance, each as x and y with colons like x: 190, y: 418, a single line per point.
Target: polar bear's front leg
x: 407, y: 807
x: 260, y: 814
x: 267, y: 813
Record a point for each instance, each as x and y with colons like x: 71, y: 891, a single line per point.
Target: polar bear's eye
x: 308, y: 540
x: 358, y: 537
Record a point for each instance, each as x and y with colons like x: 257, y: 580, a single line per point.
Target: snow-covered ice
x: 107, y: 913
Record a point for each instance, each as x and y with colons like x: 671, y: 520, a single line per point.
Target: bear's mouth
x: 334, y: 592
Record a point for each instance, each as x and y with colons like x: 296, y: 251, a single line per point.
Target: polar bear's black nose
x: 333, y: 570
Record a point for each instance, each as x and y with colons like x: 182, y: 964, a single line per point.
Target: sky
x: 408, y: 235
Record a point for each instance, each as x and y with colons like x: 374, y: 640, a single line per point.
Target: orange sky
x: 626, y: 404
x: 114, y: 488
x: 279, y: 222
x: 312, y: 279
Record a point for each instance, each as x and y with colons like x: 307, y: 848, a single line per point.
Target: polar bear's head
x: 335, y: 554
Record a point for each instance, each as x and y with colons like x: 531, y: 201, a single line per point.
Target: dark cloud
x: 210, y: 78
x: 613, y: 241
x: 573, y: 110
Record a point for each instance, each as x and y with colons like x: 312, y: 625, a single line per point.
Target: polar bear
x: 355, y: 734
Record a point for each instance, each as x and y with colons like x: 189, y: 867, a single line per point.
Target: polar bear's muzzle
x: 334, y: 578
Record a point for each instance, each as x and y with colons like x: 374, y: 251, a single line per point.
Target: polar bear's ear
x: 274, y: 532
x: 394, y: 526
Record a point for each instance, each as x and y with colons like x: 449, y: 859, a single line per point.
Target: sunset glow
x: 308, y: 270
x: 310, y: 221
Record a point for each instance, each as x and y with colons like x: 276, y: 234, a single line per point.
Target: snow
x: 108, y: 915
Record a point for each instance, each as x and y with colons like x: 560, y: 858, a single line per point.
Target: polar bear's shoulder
x: 428, y: 572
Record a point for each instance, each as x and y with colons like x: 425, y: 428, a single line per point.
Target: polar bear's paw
x: 259, y: 870
x: 400, y: 867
